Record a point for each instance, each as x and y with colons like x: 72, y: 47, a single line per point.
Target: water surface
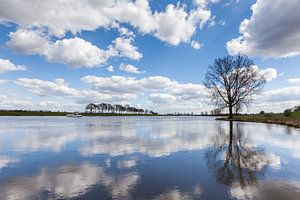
x: 147, y: 158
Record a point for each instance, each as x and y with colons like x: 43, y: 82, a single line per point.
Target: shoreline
x: 64, y: 114
x: 289, y: 122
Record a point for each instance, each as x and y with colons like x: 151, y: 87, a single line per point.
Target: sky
x: 152, y: 54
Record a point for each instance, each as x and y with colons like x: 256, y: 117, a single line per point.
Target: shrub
x: 262, y: 112
x: 287, y: 112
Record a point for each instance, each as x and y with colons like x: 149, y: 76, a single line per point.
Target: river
x: 147, y: 158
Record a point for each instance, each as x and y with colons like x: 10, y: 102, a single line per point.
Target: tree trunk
x: 230, y: 112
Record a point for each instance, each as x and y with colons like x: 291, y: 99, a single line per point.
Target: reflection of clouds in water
x: 274, y: 136
x: 118, y: 136
x: 267, y: 190
x: 67, y: 182
x: 176, y: 194
x: 157, y: 140
x: 41, y: 140
x: 261, y: 160
x: 125, y: 164
x: 121, y: 185
x: 5, y: 161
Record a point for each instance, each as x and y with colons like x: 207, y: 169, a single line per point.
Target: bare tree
x: 233, y: 82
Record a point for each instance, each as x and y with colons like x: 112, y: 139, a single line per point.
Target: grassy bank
x: 48, y: 113
x: 31, y: 113
x: 274, y: 118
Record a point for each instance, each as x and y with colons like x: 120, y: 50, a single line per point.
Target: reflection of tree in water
x: 233, y: 159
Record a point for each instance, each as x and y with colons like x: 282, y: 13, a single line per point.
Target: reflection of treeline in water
x: 117, y: 109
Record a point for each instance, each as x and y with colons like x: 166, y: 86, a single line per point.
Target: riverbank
x: 275, y: 118
x: 49, y: 113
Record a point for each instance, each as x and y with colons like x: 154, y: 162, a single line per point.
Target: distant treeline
x: 116, y: 108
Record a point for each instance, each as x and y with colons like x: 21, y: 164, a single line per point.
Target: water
x: 147, y: 158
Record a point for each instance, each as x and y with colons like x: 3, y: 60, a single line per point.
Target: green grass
x: 296, y: 115
x: 274, y: 118
x: 31, y: 113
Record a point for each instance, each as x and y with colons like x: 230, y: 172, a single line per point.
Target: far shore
x: 50, y: 113
x: 269, y: 118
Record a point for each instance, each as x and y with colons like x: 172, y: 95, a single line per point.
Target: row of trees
x: 120, y: 109
x: 232, y: 82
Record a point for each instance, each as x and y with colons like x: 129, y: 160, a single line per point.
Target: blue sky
x: 55, y: 54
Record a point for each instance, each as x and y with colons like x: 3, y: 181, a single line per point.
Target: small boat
x: 74, y: 115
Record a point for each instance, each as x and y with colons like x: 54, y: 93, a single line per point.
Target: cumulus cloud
x: 120, y: 89
x: 173, y: 25
x: 6, y: 65
x: 74, y: 52
x: 12, y: 102
x: 130, y: 68
x: 59, y: 88
x: 196, y: 44
x: 158, y: 89
x: 162, y: 98
x: 126, y: 49
x: 121, y: 84
x: 28, y: 42
x: 271, y: 31
x: 294, y: 80
x: 110, y: 68
x: 77, y: 52
x: 282, y: 94
x: 43, y: 88
x: 269, y: 73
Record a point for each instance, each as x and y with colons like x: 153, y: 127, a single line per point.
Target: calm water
x: 147, y: 158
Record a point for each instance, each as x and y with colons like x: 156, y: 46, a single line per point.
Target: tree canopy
x: 233, y: 82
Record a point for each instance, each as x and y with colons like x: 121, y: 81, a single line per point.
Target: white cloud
x: 294, y: 80
x: 272, y: 30
x: 162, y: 98
x: 77, y: 52
x: 159, y: 89
x: 44, y: 88
x: 282, y: 94
x: 174, y: 25
x: 12, y: 102
x: 110, y: 68
x: 196, y: 44
x: 122, y: 85
x: 28, y: 42
x: 59, y: 88
x: 126, y: 49
x: 205, y: 2
x: 269, y: 73
x: 130, y: 68
x: 74, y: 52
x: 6, y: 65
